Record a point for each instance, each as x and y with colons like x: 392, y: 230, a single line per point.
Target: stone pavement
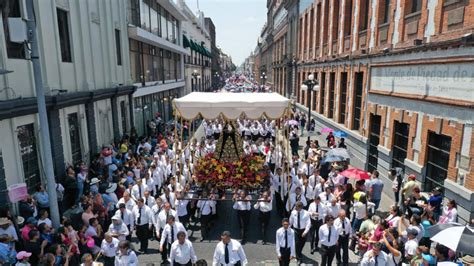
x: 257, y: 253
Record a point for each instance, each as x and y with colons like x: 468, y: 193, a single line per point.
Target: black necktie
x: 286, y: 239
x: 305, y: 191
x: 279, y: 184
x: 172, y: 234
x: 226, y: 254
x: 121, y: 215
x: 146, y: 201
x: 139, y: 220
x: 139, y: 191
x: 344, y: 227
x: 329, y: 236
x: 298, y: 220
x: 376, y: 261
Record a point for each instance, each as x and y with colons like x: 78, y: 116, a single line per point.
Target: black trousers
x: 264, y: 219
x: 244, y: 219
x: 166, y: 251
x: 143, y: 234
x: 314, y: 232
x: 344, y: 247
x: 300, y: 241
x: 285, y: 256
x: 205, y: 220
x: 109, y: 261
x: 327, y: 255
x: 280, y: 205
x: 184, y: 220
x: 236, y: 264
x: 178, y: 264
x: 129, y: 237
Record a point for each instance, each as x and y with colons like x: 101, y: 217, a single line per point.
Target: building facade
x: 197, y: 63
x: 215, y: 67
x: 85, y: 70
x: 156, y: 55
x: 397, y: 77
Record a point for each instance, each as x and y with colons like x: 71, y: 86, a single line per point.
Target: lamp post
x: 195, y: 76
x: 263, y: 79
x: 310, y: 85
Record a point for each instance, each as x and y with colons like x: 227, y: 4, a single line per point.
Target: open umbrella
x: 434, y: 229
x: 457, y: 238
x: 355, y: 173
x: 344, y: 153
x: 293, y: 123
x: 333, y: 158
x: 340, y: 134
x: 326, y: 130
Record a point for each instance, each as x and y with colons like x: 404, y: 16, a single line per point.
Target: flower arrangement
x: 248, y: 172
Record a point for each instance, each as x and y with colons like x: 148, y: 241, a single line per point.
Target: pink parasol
x: 326, y: 130
x: 355, y: 173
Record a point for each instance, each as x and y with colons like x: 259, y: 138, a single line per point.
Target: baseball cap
x: 412, y: 231
x: 429, y: 258
x: 22, y: 255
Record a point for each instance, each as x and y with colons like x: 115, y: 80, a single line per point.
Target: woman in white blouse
x: 450, y: 213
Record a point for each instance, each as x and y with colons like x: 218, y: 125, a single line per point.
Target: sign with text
x: 17, y: 192
x: 450, y: 81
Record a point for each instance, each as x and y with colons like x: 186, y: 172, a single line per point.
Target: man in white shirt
x: 317, y: 212
x: 129, y: 203
x: 169, y: 197
x: 333, y: 208
x: 229, y: 252
x: 294, y: 198
x: 264, y: 205
x: 182, y: 208
x: 242, y: 205
x: 206, y: 208
x: 127, y: 218
x: 165, y: 212
x: 109, y: 248
x: 182, y: 251
x: 138, y: 190
x: 343, y: 224
x: 169, y: 235
x: 301, y: 222
x: 149, y: 200
x: 285, y: 243
x: 412, y: 244
x: 328, y: 235
x: 375, y: 257
x: 143, y: 223
x: 279, y: 183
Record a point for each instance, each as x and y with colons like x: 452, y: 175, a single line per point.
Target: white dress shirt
x: 263, y: 206
x: 149, y: 201
x: 138, y: 191
x: 120, y: 230
x: 130, y: 204
x: 281, y: 242
x: 155, y: 210
x: 333, y: 209
x: 145, y: 215
x: 242, y: 205
x: 109, y: 249
x: 236, y: 253
x: 170, y: 238
x: 307, y: 192
x: 171, y: 197
x: 162, y: 216
x: 182, y: 207
x: 128, y: 218
x: 292, y: 199
x: 344, y: 227
x: 206, y: 207
x: 324, y: 235
x: 130, y: 259
x: 305, y: 222
x: 182, y: 254
x: 317, y: 211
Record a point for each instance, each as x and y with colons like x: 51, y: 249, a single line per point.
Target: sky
x: 238, y: 24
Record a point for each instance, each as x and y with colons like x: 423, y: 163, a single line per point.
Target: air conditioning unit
x: 17, y: 30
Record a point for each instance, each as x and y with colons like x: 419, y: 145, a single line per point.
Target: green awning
x: 186, y: 42
x: 193, y: 46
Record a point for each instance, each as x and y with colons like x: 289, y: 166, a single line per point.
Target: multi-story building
x: 396, y: 76
x: 279, y: 57
x: 215, y: 67
x: 198, y: 43
x: 156, y: 58
x: 85, y: 71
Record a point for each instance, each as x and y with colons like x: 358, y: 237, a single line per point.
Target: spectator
x: 450, y: 213
x: 375, y: 189
x: 41, y: 197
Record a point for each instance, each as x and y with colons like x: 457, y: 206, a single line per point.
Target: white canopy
x: 231, y: 105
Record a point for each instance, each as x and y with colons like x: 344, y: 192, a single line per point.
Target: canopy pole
x: 182, y: 146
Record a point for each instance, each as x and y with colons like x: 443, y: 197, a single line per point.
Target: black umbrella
x: 434, y: 229
x: 457, y: 238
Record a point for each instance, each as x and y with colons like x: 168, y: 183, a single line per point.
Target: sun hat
x: 4, y: 221
x: 95, y: 180
x: 22, y: 255
x: 111, y: 188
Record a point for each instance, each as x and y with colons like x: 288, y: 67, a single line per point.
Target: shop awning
x: 186, y: 42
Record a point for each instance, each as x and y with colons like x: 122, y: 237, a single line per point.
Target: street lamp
x: 310, y: 85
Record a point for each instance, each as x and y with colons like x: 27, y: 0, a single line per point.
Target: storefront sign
x: 450, y: 81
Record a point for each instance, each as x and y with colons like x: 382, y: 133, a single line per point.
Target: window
x: 384, y: 12
x: 311, y: 29
x: 145, y: 15
x: 75, y: 137
x: 323, y: 92
x: 364, y: 15
x: 326, y: 22
x: 29, y: 155
x: 154, y: 18
x: 164, y: 24
x: 415, y: 6
x: 401, y: 132
x: 343, y: 98
x: 335, y: 21
x: 135, y: 12
x: 332, y: 85
x: 118, y: 47
x: 318, y: 23
x: 348, y: 18
x: 357, y: 110
x: 439, y: 147
x: 64, y: 38
x: 136, y: 61
x: 123, y: 115
x: 12, y: 9
x: 374, y: 140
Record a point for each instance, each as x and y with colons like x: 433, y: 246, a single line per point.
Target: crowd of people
x: 144, y: 186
